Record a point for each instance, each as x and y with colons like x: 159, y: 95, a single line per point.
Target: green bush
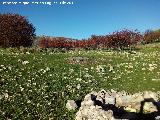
x: 15, y: 31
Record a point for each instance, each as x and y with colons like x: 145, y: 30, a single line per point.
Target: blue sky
x: 87, y: 17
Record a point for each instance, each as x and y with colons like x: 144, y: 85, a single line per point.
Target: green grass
x: 40, y: 88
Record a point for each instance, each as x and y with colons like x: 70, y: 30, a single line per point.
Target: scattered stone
x: 71, y: 105
x: 78, y: 86
x: 74, y: 60
x: 156, y: 80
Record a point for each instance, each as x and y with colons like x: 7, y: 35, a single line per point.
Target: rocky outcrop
x: 111, y: 105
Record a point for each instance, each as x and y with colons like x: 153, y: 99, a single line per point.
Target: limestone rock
x: 149, y: 107
x: 110, y: 100
x: 149, y: 94
x: 101, y: 105
x: 71, y: 105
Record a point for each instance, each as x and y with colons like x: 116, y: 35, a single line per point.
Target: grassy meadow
x: 37, y: 85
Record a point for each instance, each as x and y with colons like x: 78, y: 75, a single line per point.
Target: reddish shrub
x: 15, y: 30
x: 124, y: 39
x: 151, y: 36
x: 121, y: 39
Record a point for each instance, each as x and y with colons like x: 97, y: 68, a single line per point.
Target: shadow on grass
x: 121, y: 113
